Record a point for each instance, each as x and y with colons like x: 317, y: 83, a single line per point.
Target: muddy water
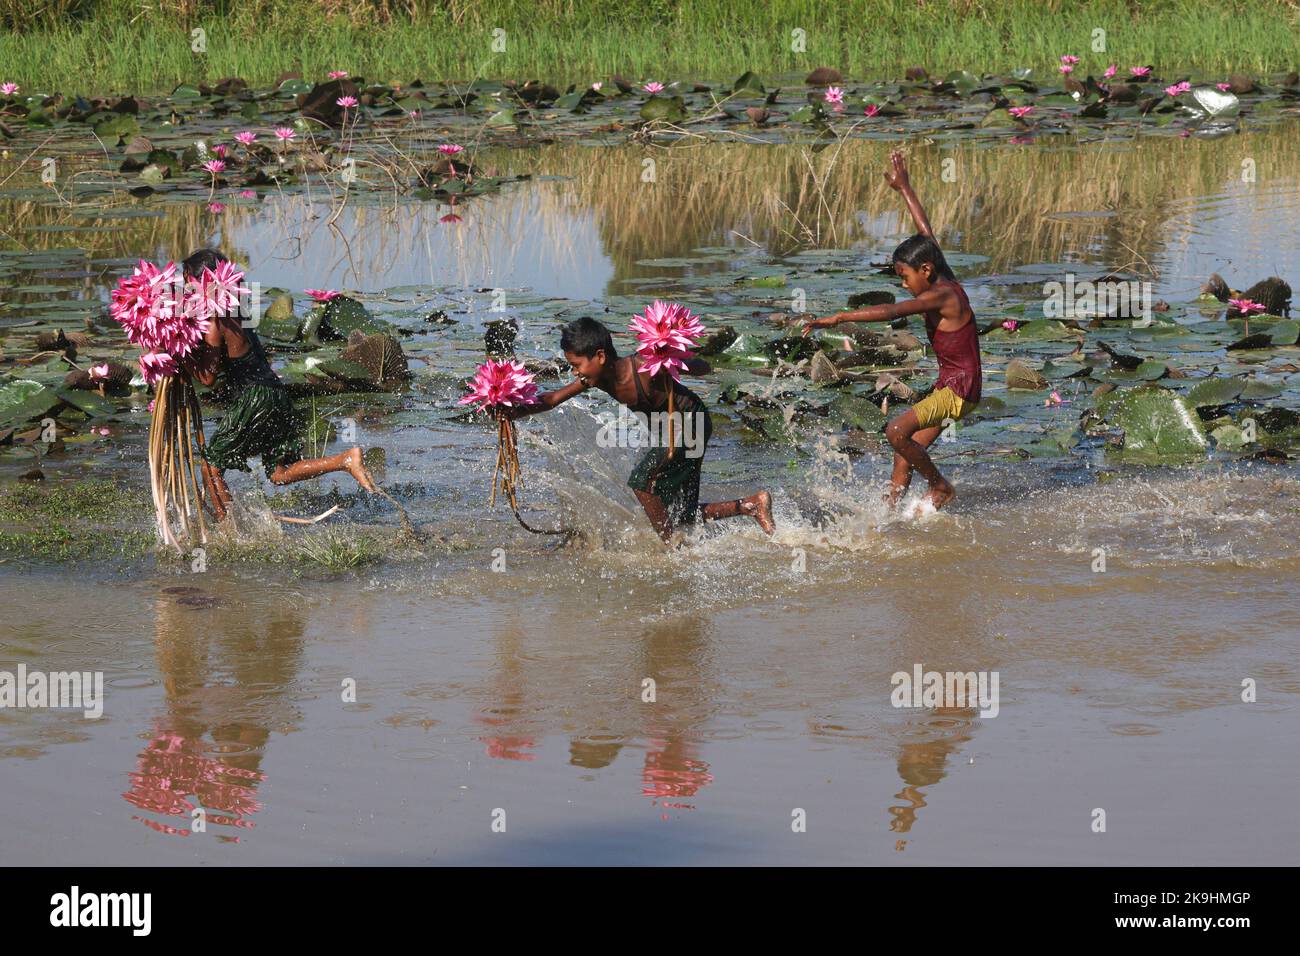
x: 521, y: 690
x: 516, y: 694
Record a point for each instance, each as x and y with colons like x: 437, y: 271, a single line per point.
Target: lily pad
x: 1160, y: 426
x: 1215, y: 391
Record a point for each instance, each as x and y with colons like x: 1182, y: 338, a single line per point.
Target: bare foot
x: 358, y: 471
x: 940, y: 494
x: 892, y: 496
x: 759, y: 507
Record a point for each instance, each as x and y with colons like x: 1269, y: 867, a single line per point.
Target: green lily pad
x: 670, y: 108
x: 855, y: 411
x: 1160, y: 426
x: 1215, y: 391
x: 1285, y: 333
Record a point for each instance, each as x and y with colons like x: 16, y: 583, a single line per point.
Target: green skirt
x: 263, y: 422
x: 674, y: 481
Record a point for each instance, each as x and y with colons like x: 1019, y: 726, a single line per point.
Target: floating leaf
x: 1159, y: 426
x: 670, y: 108
x: 1215, y: 391
x: 1215, y: 102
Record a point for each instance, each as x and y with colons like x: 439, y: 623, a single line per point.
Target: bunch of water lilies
x: 167, y: 318
x: 666, y: 332
x: 499, y: 387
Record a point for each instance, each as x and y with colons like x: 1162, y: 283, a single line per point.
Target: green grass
x: 91, y: 499
x: 112, y: 46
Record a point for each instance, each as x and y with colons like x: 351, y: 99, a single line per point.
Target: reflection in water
x: 673, y: 654
x: 226, y: 680
x: 1175, y: 209
x: 507, y: 687
x: 672, y: 771
x: 922, y: 763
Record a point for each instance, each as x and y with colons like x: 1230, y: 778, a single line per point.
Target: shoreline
x: 151, y: 55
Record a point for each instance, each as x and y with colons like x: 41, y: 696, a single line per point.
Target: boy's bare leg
x: 218, y: 490
x: 349, y: 461
x: 910, y: 442
x: 902, y: 475
x: 656, y: 512
x: 757, y: 506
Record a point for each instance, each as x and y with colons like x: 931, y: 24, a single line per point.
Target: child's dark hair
x: 201, y: 259
x: 917, y: 250
x: 585, y: 336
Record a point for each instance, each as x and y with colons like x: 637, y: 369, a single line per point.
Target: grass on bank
x: 99, y: 519
x: 99, y: 47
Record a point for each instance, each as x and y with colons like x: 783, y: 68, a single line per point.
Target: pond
x: 1121, y: 551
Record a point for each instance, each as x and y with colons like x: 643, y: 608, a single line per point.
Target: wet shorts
x: 939, y: 405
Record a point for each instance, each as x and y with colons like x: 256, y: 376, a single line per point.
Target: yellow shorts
x: 939, y: 405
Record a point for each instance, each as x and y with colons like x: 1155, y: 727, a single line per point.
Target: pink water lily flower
x: 215, y: 293
x: 215, y: 207
x: 322, y: 295
x: 219, y: 151
x: 666, y: 332
x: 1053, y: 399
x: 597, y: 85
x: 337, y: 74
x: 872, y: 109
x: 1066, y: 68
x: 1010, y: 325
x: 146, y: 301
x: 834, y: 94
x: 1178, y: 88
x: 346, y: 101
x: 654, y: 86
x: 1223, y: 87
x: 98, y: 372
x: 157, y: 365
x: 285, y: 133
x: 1110, y: 71
x: 247, y: 137
x: 450, y: 149
x: 1246, y: 306
x: 9, y: 89
x: 1139, y: 71
x: 1069, y: 60
x: 247, y: 194
x: 414, y: 114
x: 215, y: 166
x: 1020, y: 140
x: 499, y: 385
x: 1019, y: 112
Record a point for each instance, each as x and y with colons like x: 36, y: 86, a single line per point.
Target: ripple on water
x: 1134, y: 730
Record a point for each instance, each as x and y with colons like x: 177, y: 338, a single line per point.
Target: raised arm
x: 898, y: 179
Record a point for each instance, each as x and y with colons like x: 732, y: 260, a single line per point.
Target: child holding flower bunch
x: 261, y: 419
x: 667, y: 485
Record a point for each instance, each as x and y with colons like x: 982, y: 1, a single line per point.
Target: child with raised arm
x: 668, y: 487
x: 950, y: 326
x: 261, y: 419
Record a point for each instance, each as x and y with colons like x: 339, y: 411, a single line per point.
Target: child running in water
x: 668, y: 488
x: 261, y: 420
x: 950, y: 326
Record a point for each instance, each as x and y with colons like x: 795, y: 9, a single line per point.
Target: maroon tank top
x: 959, y: 358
